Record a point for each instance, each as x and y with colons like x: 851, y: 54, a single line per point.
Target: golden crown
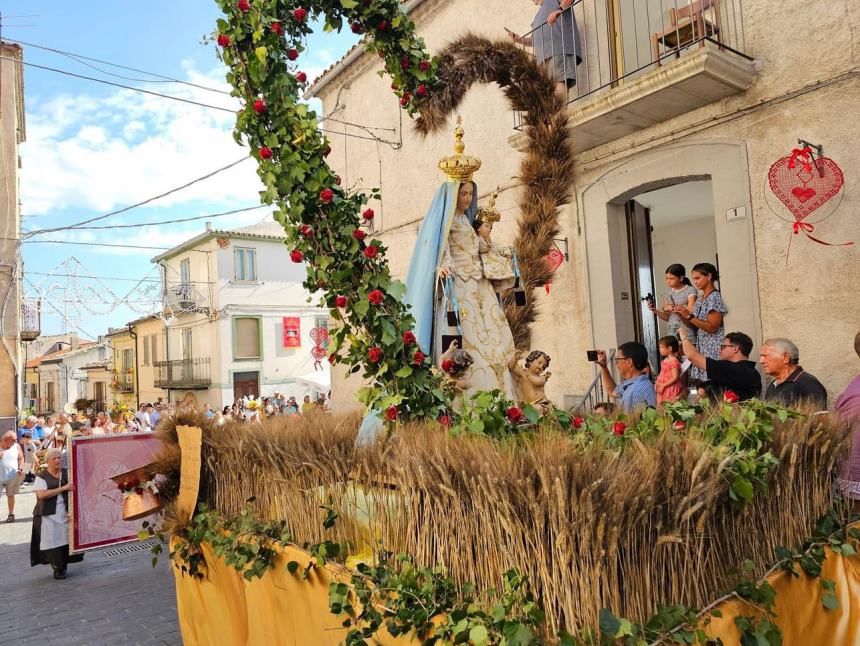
x: 489, y: 212
x: 459, y: 167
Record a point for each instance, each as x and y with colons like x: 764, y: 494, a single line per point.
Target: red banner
x: 292, y: 332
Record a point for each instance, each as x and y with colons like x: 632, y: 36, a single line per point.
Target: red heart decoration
x: 554, y: 259
x: 803, y: 191
x: 318, y: 353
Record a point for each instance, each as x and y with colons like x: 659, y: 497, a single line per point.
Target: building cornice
x: 206, y: 236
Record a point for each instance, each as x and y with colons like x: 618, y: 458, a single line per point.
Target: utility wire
x: 176, y: 221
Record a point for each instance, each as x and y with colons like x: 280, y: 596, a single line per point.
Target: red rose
x: 356, y: 28
x: 368, y: 214
x: 405, y: 63
x: 244, y: 6
x: 578, y: 422
x: 408, y: 337
x: 296, y: 255
x: 340, y: 301
x: 300, y: 14
x: 375, y: 297
x: 618, y: 428
x: 422, y: 90
x: 515, y: 414
x: 424, y: 66
x: 374, y: 354
x: 447, y: 364
x: 358, y: 234
x: 276, y: 27
x: 418, y: 358
x: 405, y: 99
x: 679, y: 425
x: 326, y: 195
x: 223, y: 40
x: 332, y: 359
x: 383, y: 25
x: 265, y: 152
x: 259, y: 106
x: 731, y: 396
x: 371, y: 251
x: 307, y: 231
x: 391, y: 413
x: 444, y: 421
x: 292, y: 54
x: 301, y: 77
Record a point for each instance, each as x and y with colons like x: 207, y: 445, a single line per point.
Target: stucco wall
x: 800, y: 92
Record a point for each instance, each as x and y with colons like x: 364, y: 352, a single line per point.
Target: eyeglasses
x: 727, y: 345
x: 617, y: 359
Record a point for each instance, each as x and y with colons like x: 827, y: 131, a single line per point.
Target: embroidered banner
x: 292, y: 332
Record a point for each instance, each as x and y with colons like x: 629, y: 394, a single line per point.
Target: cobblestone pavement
x: 106, y: 600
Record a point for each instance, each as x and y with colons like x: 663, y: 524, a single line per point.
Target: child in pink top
x: 669, y: 386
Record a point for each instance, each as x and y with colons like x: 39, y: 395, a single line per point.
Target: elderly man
x: 11, y: 470
x: 29, y: 427
x: 636, y: 390
x: 791, y: 385
x: 848, y: 407
x: 733, y: 371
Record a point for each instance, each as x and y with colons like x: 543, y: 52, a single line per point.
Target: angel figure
x: 454, y: 362
x: 532, y: 379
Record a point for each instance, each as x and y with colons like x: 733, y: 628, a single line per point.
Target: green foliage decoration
x: 261, y: 41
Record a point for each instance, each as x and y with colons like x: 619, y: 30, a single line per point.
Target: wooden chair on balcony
x: 692, y: 22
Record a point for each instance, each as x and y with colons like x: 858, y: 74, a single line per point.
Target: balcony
x: 182, y: 374
x: 31, y: 319
x: 183, y: 296
x: 123, y: 382
x: 635, y: 63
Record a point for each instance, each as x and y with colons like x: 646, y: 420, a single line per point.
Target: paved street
x: 108, y: 599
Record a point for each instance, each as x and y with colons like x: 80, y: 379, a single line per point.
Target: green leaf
x: 608, y: 623
x: 404, y: 372
x: 479, y: 635
x: 531, y: 414
x: 348, y: 4
x: 743, y: 488
x: 261, y: 53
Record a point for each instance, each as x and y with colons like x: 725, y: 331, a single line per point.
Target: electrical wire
x: 176, y: 221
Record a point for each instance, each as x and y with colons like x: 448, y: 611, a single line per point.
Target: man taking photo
x: 733, y: 371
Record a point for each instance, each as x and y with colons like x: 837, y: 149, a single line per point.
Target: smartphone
x: 591, y: 354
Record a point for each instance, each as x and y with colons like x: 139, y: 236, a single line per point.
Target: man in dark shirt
x: 733, y: 371
x: 792, y: 385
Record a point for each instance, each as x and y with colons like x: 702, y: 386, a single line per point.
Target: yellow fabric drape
x: 283, y: 609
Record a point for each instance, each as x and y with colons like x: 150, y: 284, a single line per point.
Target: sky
x: 93, y: 148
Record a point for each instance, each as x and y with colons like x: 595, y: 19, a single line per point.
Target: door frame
x: 244, y: 372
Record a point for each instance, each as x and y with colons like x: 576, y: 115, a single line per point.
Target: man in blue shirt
x: 635, y: 390
x: 31, y: 426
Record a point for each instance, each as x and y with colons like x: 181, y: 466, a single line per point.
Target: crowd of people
x: 253, y: 410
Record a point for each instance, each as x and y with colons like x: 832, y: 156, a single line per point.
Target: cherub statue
x: 454, y: 362
x: 532, y: 379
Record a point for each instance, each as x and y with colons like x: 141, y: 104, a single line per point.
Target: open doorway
x: 666, y: 226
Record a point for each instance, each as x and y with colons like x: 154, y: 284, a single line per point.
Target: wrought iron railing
x: 183, y: 296
x: 182, y: 374
x: 599, y: 43
x: 31, y: 319
x: 123, y: 382
x: 595, y: 394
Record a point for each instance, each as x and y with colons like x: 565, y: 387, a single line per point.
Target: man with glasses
x: 636, y: 390
x: 733, y: 371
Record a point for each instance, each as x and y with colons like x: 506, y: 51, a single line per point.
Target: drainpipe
x: 167, y: 359
x: 133, y: 335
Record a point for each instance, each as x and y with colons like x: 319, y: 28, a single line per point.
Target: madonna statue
x: 452, y: 294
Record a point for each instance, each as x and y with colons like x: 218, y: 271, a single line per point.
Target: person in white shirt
x: 143, y: 419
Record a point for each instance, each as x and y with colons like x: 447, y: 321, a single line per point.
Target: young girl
x: 669, y: 386
x: 680, y: 293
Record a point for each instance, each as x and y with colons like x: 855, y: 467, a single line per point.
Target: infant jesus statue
x: 532, y: 379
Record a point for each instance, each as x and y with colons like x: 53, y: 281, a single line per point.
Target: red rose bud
x: 326, y: 195
x: 731, y: 396
x: 368, y: 214
x: 371, y: 251
x: 577, y: 422
x: 444, y: 421
x: 405, y: 63
x: 307, y: 231
x: 618, y: 428
x: 375, y: 297
x: 422, y: 90
x: 383, y: 25
x: 391, y: 413
x: 515, y: 414
x: 244, y: 6
x: 424, y: 66
x: 405, y: 99
x: 447, y: 364
x: 301, y: 77
x: 340, y: 301
x: 418, y: 358
x: 356, y: 28
x: 332, y: 359
x: 223, y: 40
x: 358, y: 234
x: 277, y: 29
x: 259, y: 106
x: 374, y: 354
x: 300, y: 14
x: 679, y: 425
x: 296, y: 255
x: 408, y: 337
x: 292, y: 54
x: 265, y: 152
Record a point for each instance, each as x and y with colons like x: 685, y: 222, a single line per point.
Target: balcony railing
x: 31, y: 319
x: 123, y: 382
x: 183, y: 296
x: 597, y: 44
x: 183, y: 374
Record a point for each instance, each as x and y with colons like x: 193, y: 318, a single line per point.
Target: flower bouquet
x: 139, y: 493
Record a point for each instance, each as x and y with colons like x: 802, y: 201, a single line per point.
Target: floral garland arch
x: 261, y: 42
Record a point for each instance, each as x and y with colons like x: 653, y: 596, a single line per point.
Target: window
x: 246, y: 338
x: 49, y: 396
x: 153, y: 339
x: 146, y: 357
x: 245, y: 264
x: 321, y: 321
x: 127, y: 360
x: 185, y: 271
